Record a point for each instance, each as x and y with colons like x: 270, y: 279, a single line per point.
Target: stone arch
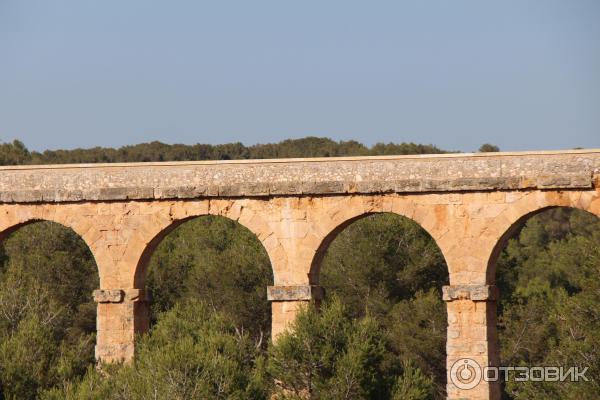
x: 503, y: 241
x: 407, y: 212
x: 517, y: 214
x: 12, y: 225
x: 231, y: 210
x: 84, y: 261
x: 510, y: 223
x: 315, y: 267
x: 141, y: 269
x: 339, y: 225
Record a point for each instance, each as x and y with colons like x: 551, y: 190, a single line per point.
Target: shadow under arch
x: 513, y: 231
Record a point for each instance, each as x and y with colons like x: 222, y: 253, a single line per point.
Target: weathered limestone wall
x: 123, y: 212
x: 317, y: 176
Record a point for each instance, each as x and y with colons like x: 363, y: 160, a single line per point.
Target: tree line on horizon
x: 380, y: 333
x: 16, y: 153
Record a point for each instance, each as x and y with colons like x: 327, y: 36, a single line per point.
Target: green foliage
x: 191, y: 353
x: 488, y: 148
x: 16, y: 153
x: 204, y: 355
x: 47, y: 317
x: 387, y: 266
x: 26, y: 356
x: 416, y: 332
x: 379, y: 260
x: 328, y: 355
x: 550, y: 308
x: 413, y: 384
x: 219, y: 261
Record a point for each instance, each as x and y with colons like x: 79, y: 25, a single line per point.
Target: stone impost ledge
x: 470, y: 292
x: 295, y: 293
x: 121, y: 295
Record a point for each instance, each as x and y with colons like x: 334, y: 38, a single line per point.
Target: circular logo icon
x: 465, y: 373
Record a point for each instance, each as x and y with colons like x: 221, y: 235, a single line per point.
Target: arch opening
x: 546, y: 267
x: 216, y: 261
x: 386, y: 267
x: 47, y: 314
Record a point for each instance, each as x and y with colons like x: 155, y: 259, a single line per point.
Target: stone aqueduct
x: 468, y: 203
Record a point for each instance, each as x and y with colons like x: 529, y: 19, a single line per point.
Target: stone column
x: 286, y: 301
x: 122, y: 313
x: 472, y: 342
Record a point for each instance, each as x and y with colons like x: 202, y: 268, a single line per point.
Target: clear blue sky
x: 518, y: 73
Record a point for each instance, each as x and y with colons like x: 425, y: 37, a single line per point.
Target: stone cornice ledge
x: 575, y: 169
